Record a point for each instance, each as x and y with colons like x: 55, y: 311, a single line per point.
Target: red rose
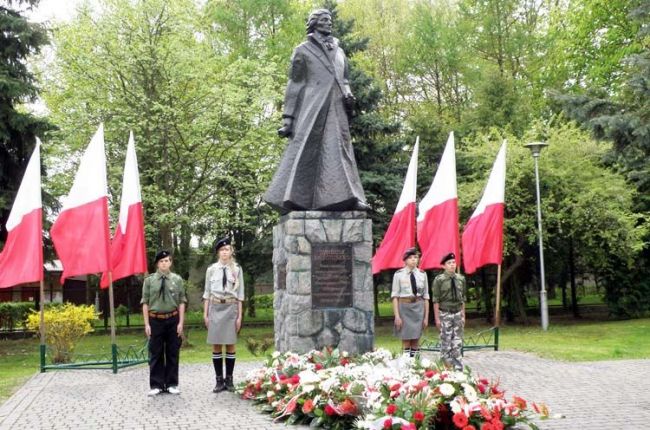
x: 344, y: 361
x: 274, y: 379
x: 430, y: 373
x: 308, y: 406
x: 291, y: 406
x: 484, y: 381
x: 460, y: 420
x: 481, y: 388
x: 391, y: 409
x: 409, y: 426
x: 418, y: 416
x: 487, y: 426
x: 388, y: 423
x: 329, y: 410
x: 395, y: 387
x: 348, y: 407
x: 295, y: 379
x: 496, y: 424
x: 318, y: 366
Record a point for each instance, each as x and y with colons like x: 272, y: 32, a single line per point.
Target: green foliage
x: 64, y: 326
x: 259, y: 347
x: 264, y: 301
x: 13, y: 314
x: 121, y: 311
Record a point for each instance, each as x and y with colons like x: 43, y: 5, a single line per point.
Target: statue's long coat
x: 318, y: 170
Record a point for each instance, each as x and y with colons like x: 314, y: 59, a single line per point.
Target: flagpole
x: 41, y: 326
x: 497, y: 312
x: 111, y: 305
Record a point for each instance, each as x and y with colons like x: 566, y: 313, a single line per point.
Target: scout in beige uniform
x: 410, y: 296
x: 163, y: 308
x: 448, y: 295
x: 222, y: 311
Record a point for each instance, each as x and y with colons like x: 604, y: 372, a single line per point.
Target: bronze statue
x: 318, y: 170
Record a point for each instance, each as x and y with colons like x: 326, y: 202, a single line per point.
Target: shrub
x: 13, y: 314
x: 64, y: 326
x: 121, y: 311
x: 264, y: 301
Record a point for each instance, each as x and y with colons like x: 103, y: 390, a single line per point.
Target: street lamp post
x: 536, y: 149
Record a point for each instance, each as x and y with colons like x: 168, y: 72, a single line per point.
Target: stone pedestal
x: 323, y: 292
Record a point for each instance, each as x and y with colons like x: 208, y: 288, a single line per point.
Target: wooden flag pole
x: 41, y: 326
x: 111, y: 305
x: 497, y: 312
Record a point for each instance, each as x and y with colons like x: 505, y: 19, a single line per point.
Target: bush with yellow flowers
x: 64, y: 326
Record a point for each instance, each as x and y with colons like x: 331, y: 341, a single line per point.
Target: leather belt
x: 451, y: 311
x: 222, y: 301
x: 163, y: 315
x: 409, y: 299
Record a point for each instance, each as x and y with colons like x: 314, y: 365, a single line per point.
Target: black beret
x: 409, y: 252
x: 450, y: 256
x: 220, y: 243
x: 162, y: 254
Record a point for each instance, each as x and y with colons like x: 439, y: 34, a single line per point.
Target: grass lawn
x: 565, y: 340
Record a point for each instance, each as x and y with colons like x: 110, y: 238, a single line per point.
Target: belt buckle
x: 222, y: 301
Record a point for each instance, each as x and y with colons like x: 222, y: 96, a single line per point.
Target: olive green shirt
x: 169, y: 299
x: 443, y: 295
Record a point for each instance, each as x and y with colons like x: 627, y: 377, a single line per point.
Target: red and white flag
x: 438, y: 213
x: 128, y: 250
x: 483, y: 234
x: 21, y: 260
x: 401, y: 230
x: 80, y: 233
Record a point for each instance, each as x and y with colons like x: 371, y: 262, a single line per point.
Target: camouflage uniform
x: 450, y: 299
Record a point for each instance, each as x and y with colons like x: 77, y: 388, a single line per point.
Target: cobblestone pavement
x: 598, y: 395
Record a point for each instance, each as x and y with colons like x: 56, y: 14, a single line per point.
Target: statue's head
x: 320, y: 20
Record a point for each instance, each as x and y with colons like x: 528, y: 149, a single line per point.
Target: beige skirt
x: 412, y: 315
x: 222, y: 328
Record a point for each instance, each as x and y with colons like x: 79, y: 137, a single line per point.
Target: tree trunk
x: 572, y: 272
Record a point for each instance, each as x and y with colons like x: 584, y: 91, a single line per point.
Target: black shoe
x: 361, y: 206
x: 229, y: 384
x: 220, y: 385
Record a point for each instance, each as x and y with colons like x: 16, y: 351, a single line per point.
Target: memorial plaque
x: 282, y: 276
x: 331, y: 276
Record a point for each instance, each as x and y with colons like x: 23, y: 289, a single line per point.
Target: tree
x: 623, y: 117
x: 201, y: 119
x: 19, y: 39
x: 586, y: 207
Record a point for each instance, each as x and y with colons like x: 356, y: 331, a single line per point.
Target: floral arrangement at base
x: 378, y: 390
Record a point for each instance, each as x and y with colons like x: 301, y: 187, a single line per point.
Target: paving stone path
x: 597, y: 395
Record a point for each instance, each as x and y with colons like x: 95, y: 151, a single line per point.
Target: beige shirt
x: 214, y: 282
x: 402, y: 284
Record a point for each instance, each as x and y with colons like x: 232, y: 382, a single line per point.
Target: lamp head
x: 536, y: 147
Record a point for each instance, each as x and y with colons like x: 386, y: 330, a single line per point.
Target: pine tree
x: 18, y: 40
x: 377, y: 144
x: 625, y: 121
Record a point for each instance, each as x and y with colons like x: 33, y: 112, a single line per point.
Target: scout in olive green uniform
x: 222, y: 311
x: 448, y: 296
x: 163, y: 308
x: 410, y: 296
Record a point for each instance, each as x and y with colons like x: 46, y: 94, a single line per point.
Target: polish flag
x: 438, y: 213
x: 401, y: 230
x: 128, y: 251
x: 21, y: 260
x: 80, y: 233
x: 483, y: 234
